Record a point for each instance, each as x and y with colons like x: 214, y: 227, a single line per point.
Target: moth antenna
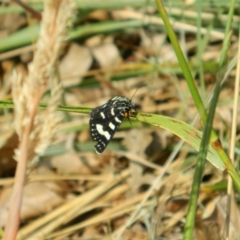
x: 134, y: 93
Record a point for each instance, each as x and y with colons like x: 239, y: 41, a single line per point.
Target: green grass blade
x: 228, y: 34
x: 30, y: 34
x: 190, y: 219
x: 104, y: 27
x: 186, y: 132
x: 182, y: 61
x: 8, y: 104
x: 22, y: 37
x: 183, y: 130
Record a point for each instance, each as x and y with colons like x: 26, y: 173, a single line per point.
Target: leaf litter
x: 80, y: 195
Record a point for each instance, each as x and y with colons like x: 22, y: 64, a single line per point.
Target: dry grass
x: 137, y: 189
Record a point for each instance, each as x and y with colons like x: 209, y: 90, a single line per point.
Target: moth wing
x: 104, y: 122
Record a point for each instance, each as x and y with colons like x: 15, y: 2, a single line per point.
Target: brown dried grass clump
x: 35, y: 130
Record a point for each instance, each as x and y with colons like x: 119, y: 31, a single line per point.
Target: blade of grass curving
x: 190, y: 219
x: 181, y: 129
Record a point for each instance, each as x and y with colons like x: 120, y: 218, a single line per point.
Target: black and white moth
x: 105, y: 120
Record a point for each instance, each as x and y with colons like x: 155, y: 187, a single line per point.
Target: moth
x: 106, y: 119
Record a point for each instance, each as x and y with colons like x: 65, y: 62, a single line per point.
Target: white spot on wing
x: 111, y: 125
x: 112, y: 111
x: 102, y: 114
x: 117, y: 119
x: 102, y: 132
x: 97, y: 152
x: 104, y: 105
